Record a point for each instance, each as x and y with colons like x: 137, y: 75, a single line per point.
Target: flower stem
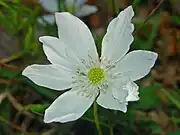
x: 95, y: 108
x: 111, y: 131
x: 116, y: 7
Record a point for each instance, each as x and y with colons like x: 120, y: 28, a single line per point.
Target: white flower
x: 78, y: 7
x: 75, y: 64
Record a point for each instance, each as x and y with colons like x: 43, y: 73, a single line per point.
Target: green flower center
x: 95, y: 75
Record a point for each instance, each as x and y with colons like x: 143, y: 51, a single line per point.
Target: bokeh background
x: 22, y: 103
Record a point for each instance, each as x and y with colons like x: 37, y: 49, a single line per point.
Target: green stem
x: 95, y: 108
x: 116, y: 7
x: 111, y: 131
x: 12, y: 57
x: 101, y: 123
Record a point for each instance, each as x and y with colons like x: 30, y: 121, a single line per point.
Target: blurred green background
x: 22, y: 103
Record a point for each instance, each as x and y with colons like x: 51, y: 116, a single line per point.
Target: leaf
x: 173, y: 97
x: 174, y: 133
x: 38, y: 108
x: 149, y: 98
x: 6, y: 23
x: 8, y: 73
x: 156, y: 129
x: 29, y: 38
x: 136, y: 2
x: 149, y: 44
x: 51, y: 95
x: 5, y: 114
x: 150, y: 125
x: 175, y: 19
x: 2, y: 3
x: 31, y: 20
x: 89, y: 114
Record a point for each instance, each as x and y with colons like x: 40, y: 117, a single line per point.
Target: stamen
x: 95, y: 75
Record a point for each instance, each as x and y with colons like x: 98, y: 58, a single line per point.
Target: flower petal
x: 74, y: 33
x: 86, y: 10
x: 107, y: 100
x: 133, y: 93
x: 49, y: 5
x: 57, y: 52
x: 118, y: 38
x: 136, y: 64
x: 50, y: 76
x: 68, y: 107
x: 120, y: 94
x: 124, y: 89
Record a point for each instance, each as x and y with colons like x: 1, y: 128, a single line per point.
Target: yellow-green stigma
x: 95, y: 75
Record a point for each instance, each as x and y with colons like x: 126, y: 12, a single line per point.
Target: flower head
x: 75, y: 64
x: 78, y: 7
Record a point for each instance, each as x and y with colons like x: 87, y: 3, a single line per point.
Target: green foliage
x: 32, y: 20
x: 173, y: 97
x: 47, y: 93
x: 174, y: 133
x: 136, y: 2
x: 175, y: 19
x: 149, y: 32
x: 37, y: 108
x: 150, y: 125
x: 8, y: 74
x: 4, y: 115
x: 149, y: 98
x: 10, y: 15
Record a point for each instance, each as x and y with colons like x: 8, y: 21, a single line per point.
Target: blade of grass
x: 174, y: 100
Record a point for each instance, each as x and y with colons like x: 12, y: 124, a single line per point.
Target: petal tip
x: 129, y: 11
x: 124, y: 110
x: 155, y: 55
x: 42, y: 38
x: 25, y: 71
x: 130, y: 7
x: 28, y: 70
x: 46, y: 119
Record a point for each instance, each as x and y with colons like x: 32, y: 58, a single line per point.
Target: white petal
x: 118, y: 38
x: 68, y: 107
x: 120, y: 94
x: 133, y: 93
x: 86, y: 10
x: 74, y: 33
x: 107, y: 101
x: 136, y: 64
x: 57, y: 52
x: 49, y: 5
x: 50, y: 76
x: 124, y: 89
